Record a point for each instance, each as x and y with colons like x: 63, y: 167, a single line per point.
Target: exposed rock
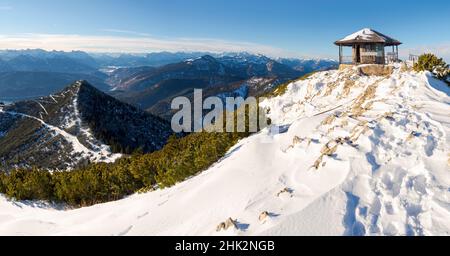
x: 285, y: 190
x: 376, y: 70
x: 264, y: 215
x: 229, y: 223
x: 345, y: 66
x: 221, y: 227
x: 297, y: 140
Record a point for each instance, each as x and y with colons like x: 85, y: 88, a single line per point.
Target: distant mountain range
x: 154, y: 88
x: 76, y: 126
x: 47, y: 61
x: 82, y: 62
x: 20, y: 85
x: 155, y: 59
x: 148, y: 81
x: 309, y: 65
x: 27, y: 74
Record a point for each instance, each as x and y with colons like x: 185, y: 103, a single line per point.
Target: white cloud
x: 136, y: 44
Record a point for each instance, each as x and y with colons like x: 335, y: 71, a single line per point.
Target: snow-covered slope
x: 357, y: 155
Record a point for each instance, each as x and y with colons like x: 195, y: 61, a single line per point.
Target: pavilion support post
x: 393, y: 52
x: 396, y: 52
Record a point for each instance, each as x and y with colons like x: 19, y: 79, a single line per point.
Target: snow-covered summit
x: 357, y: 155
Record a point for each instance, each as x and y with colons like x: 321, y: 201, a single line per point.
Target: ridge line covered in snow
x: 97, y: 151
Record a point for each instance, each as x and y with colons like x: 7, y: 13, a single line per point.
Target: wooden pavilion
x: 368, y: 47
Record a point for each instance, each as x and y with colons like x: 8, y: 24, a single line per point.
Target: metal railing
x: 413, y: 58
x: 391, y: 57
x: 346, y: 60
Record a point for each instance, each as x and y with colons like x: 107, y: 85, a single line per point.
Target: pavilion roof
x: 367, y: 35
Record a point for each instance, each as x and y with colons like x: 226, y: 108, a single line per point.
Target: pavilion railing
x: 346, y: 59
x: 391, y: 57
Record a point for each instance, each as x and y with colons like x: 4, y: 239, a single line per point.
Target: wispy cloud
x: 5, y: 7
x: 126, y: 32
x: 131, y: 44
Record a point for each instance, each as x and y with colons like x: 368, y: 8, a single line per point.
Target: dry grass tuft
x: 297, y: 140
x: 344, y: 123
x: 330, y: 87
x: 348, y: 85
x: 308, y: 142
x: 318, y: 162
x: 358, y: 107
x: 361, y: 128
x: 330, y: 148
x: 329, y: 120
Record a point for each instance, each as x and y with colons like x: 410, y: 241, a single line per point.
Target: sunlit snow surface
x: 388, y: 175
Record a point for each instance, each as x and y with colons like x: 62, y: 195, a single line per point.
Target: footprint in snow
x: 163, y: 203
x: 126, y: 231
x: 143, y: 215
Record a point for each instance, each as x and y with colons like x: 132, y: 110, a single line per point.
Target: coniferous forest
x: 180, y: 158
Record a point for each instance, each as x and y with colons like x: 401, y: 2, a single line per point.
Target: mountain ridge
x: 71, y: 128
x: 152, y: 89
x: 26, y: 74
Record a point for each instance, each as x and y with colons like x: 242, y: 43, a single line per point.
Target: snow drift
x: 358, y: 155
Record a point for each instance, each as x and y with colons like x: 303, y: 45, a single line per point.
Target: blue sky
x: 282, y: 27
